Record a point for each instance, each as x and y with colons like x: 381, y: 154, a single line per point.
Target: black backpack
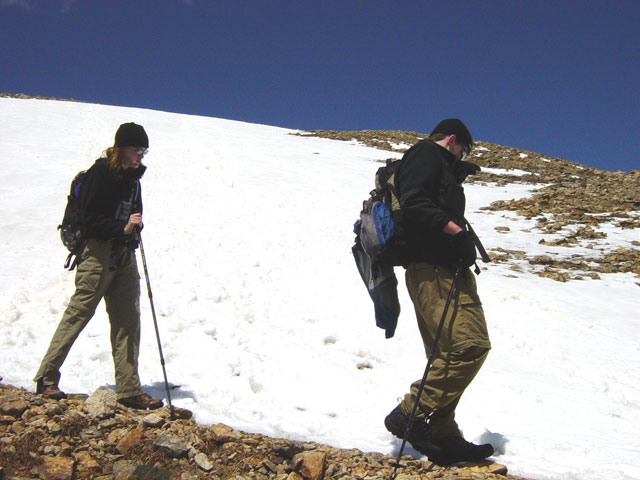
x: 70, y: 231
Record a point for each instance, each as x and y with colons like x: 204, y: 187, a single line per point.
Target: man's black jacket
x: 429, y: 183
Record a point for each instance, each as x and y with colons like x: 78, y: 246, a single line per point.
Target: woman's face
x: 132, y: 157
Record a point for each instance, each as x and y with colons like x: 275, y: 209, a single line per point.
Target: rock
x: 89, y: 433
x: 541, y: 260
x: 12, y: 405
x: 310, y: 464
x: 270, y: 466
x: 6, y: 420
x: 172, y: 446
x: 122, y: 468
x: 182, y: 413
x: 153, y: 420
x: 85, y: 463
x: 55, y: 468
x: 102, y: 403
x: 191, y: 476
x: 224, y: 434
x: 148, y: 472
x: 77, y: 396
x: 115, y: 435
x: 52, y: 409
x: 131, y: 440
x: 203, y: 462
x: 497, y: 469
x: 51, y: 450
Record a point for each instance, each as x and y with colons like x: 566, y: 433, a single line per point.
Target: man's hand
x: 451, y: 228
x: 465, y: 248
x: 135, y: 220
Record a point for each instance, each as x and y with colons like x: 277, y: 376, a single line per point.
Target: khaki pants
x: 120, y: 288
x: 462, y: 348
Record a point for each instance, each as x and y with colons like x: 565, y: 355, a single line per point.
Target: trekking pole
x: 155, y: 323
x: 432, y: 353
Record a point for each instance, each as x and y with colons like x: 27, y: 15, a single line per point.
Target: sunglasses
x: 465, y: 151
x: 142, y: 151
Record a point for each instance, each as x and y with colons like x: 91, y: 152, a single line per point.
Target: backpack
x: 70, y: 232
x: 379, y: 246
x: 380, y: 224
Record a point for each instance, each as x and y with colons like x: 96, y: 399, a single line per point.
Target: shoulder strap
x: 483, y: 253
x: 135, y: 192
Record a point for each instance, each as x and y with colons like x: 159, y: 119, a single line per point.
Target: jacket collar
x: 448, y: 156
x: 460, y: 169
x: 135, y: 174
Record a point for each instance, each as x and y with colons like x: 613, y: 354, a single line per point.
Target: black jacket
x: 431, y: 195
x: 102, y: 197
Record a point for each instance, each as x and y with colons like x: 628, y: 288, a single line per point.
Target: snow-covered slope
x: 263, y: 318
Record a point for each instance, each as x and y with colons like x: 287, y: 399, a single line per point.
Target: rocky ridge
x: 568, y: 208
x: 24, y: 96
x: 93, y: 437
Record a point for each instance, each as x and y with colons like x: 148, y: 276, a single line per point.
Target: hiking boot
x: 49, y: 391
x: 141, y: 402
x: 457, y: 449
x: 419, y: 435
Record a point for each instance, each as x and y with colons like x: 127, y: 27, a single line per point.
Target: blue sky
x: 557, y: 77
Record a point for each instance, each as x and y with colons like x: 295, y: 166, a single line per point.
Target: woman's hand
x: 135, y: 220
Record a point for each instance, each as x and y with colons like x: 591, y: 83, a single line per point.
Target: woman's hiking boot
x: 49, y: 391
x: 141, y: 402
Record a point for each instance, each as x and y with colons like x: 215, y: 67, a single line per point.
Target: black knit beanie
x: 131, y: 135
x: 454, y: 126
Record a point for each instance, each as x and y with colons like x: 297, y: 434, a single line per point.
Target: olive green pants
x: 462, y: 348
x: 98, y: 278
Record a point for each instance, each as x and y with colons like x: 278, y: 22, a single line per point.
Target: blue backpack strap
x: 135, y: 195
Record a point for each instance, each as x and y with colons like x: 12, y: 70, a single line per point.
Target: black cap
x: 454, y: 126
x: 131, y: 135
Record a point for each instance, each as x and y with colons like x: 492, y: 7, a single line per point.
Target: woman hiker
x: 110, y: 212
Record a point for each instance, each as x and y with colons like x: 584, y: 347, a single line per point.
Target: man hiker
x: 433, y: 202
x: 110, y: 211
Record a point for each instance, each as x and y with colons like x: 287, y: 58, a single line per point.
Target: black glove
x: 463, y: 169
x: 464, y: 248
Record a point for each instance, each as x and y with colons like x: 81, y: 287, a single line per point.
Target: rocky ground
x: 569, y: 206
x: 95, y: 438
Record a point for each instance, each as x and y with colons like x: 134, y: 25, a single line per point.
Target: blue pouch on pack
x: 376, y: 227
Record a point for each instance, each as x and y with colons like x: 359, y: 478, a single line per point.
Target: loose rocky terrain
x: 96, y: 438
x: 570, y: 204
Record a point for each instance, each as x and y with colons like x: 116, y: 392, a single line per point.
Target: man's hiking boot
x: 141, y: 402
x: 419, y: 436
x: 457, y: 449
x: 443, y: 451
x: 49, y: 391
